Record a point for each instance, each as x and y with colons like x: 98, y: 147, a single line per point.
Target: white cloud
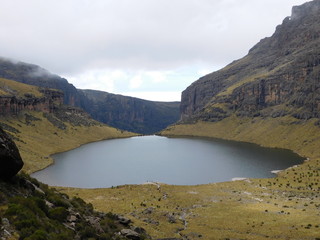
x: 156, y: 96
x: 106, y: 44
x: 136, y: 82
x: 203, y: 72
x: 98, y: 79
x: 157, y: 76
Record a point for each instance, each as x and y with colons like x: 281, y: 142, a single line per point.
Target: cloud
x: 90, y: 39
x: 98, y: 79
x: 158, y: 77
x: 68, y: 36
x: 136, y: 82
x: 155, y: 96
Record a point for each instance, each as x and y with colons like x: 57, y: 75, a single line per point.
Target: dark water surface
x: 180, y: 161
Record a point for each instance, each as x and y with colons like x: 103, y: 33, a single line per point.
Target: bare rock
x: 123, y: 220
x: 10, y: 159
x: 128, y: 233
x: 148, y: 210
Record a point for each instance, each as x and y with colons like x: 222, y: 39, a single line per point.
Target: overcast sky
x: 152, y: 49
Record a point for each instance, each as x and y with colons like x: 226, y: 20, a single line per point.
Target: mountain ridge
x: 277, y: 76
x: 130, y: 113
x: 144, y: 118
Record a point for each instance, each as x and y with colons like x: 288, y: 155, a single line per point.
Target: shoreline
x: 80, y: 145
x: 275, y: 172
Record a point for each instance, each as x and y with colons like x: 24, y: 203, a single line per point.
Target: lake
x: 179, y: 161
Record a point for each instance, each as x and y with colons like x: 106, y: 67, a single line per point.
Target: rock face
x: 279, y: 76
x: 13, y: 105
x: 10, y: 159
x: 131, y: 114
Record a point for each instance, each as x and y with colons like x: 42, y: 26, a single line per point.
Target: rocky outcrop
x: 10, y: 159
x: 13, y: 105
x: 32, y: 210
x: 131, y: 114
x: 279, y: 76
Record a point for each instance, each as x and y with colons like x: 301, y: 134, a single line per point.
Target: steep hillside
x: 131, y: 114
x: 41, y: 124
x: 279, y: 76
x: 34, y: 75
x: 127, y: 113
x: 32, y: 210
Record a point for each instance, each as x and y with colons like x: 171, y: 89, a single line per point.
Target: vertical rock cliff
x: 131, y: 114
x: 279, y: 76
x: 12, y: 102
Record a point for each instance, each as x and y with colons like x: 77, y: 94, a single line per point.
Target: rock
x: 168, y: 239
x: 123, y: 220
x: 148, y: 210
x: 12, y: 105
x: 95, y: 223
x: 5, y: 229
x: 49, y: 204
x: 131, y: 114
x: 151, y: 221
x: 139, y: 230
x: 10, y: 159
x: 171, y: 218
x: 128, y: 233
x: 72, y: 218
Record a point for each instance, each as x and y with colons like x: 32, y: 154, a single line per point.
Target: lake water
x: 180, y: 161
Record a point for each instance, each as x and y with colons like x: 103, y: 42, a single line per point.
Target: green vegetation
x: 37, y: 212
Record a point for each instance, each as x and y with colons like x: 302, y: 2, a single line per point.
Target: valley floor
x: 285, y: 207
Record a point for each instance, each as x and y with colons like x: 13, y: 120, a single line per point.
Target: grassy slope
x: 286, y: 207
x: 9, y: 88
x: 38, y: 139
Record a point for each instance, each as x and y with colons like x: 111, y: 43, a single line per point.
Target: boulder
x: 128, y: 233
x: 10, y: 159
x: 123, y: 220
x: 169, y: 239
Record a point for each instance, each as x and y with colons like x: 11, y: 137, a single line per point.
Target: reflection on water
x: 181, y: 161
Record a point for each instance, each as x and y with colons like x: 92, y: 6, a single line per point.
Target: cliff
x: 279, y: 76
x: 12, y: 102
x: 131, y: 114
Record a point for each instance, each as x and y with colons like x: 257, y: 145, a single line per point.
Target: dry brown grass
x: 38, y: 140
x: 286, y: 207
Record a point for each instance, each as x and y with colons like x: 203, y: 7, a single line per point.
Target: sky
x: 151, y: 49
